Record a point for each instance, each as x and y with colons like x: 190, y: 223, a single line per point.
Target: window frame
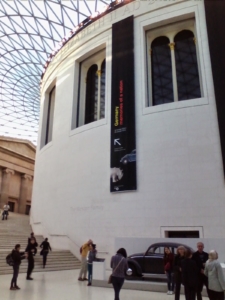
x: 170, y: 31
x: 96, y: 58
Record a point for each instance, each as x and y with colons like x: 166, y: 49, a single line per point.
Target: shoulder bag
x: 110, y: 277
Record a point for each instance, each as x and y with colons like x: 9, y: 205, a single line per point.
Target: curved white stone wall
x: 179, y: 166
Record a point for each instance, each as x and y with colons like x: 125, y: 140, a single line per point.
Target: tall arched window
x: 162, y: 82
x: 188, y: 84
x: 102, y: 92
x: 91, y: 101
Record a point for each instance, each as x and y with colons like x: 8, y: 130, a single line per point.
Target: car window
x: 159, y: 250
x: 156, y: 250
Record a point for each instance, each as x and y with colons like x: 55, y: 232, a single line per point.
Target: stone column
x: 6, y: 176
x: 23, y: 193
x: 0, y: 180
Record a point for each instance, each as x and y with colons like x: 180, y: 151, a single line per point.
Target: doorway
x: 12, y: 206
x: 27, y: 212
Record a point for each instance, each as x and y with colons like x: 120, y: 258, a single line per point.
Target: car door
x: 153, y: 260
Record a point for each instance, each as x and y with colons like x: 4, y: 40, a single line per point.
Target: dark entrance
x: 12, y: 206
x: 27, y: 209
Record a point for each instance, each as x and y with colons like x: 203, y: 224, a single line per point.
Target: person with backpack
x: 84, y: 251
x: 16, y: 257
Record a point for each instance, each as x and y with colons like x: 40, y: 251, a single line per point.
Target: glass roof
x: 29, y: 31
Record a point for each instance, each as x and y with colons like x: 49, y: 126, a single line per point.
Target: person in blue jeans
x: 91, y: 257
x: 168, y: 268
x: 119, y: 266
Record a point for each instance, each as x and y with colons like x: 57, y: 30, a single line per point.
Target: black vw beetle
x: 150, y: 263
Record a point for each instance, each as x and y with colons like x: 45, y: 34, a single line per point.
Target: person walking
x: 177, y: 270
x: 119, y: 265
x: 45, y: 250
x: 91, y: 257
x: 214, y: 273
x: 84, y: 251
x: 30, y: 250
x: 190, y: 275
x: 36, y: 244
x: 17, y: 256
x: 168, y: 268
x: 202, y: 257
x: 5, y: 213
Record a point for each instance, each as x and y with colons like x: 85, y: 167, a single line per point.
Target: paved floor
x: 63, y: 285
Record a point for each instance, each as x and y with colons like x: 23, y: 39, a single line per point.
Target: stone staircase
x: 16, y: 230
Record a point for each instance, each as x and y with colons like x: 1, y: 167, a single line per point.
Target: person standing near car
x: 17, y: 256
x: 190, y: 275
x: 201, y: 257
x: 168, y: 268
x: 177, y: 270
x: 119, y: 267
x: 214, y: 273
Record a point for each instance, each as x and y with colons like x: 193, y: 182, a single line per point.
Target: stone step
x: 16, y: 230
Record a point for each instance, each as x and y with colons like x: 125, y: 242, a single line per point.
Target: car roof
x: 169, y: 244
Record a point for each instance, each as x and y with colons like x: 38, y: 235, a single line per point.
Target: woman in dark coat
x: 30, y: 250
x: 17, y: 256
x: 45, y: 249
x: 177, y: 270
x: 119, y: 266
x: 190, y: 275
x: 168, y: 268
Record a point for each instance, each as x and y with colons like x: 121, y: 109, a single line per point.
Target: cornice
x: 17, y: 155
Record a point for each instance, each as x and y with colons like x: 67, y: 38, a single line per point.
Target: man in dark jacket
x: 201, y: 257
x: 17, y: 256
x: 30, y: 250
x: 190, y: 276
x: 45, y: 249
x: 36, y: 244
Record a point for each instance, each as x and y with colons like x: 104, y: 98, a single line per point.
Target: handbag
x: 110, y: 277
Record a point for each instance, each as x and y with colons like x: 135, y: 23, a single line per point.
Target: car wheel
x: 134, y: 271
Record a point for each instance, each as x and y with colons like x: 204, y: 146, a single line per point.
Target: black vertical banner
x: 123, y: 143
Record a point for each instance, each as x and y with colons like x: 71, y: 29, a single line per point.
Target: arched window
x: 188, y: 84
x: 162, y: 82
x: 102, y: 91
x: 91, y: 101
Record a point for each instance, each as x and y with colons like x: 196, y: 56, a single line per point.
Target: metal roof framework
x: 29, y: 31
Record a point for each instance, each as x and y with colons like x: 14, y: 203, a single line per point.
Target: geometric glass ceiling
x: 29, y: 31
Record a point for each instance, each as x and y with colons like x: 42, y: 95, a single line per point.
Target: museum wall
x: 180, y: 180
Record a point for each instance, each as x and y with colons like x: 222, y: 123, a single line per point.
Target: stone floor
x: 63, y: 285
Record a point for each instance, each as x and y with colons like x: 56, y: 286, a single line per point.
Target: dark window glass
x: 102, y: 99
x: 91, y: 103
x: 162, y: 82
x: 50, y: 114
x: 186, y: 66
x: 183, y: 234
